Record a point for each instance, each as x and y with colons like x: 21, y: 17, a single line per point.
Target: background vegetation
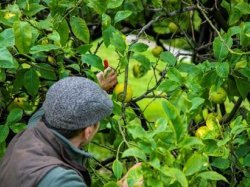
x: 199, y: 137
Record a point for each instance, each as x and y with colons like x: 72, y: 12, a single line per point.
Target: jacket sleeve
x: 61, y: 177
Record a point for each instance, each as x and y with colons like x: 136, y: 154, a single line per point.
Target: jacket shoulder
x: 62, y: 177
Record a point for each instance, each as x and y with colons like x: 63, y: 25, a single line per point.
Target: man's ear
x: 86, y: 133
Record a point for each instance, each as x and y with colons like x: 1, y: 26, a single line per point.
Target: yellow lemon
x: 119, y: 92
x: 19, y: 101
x: 8, y: 15
x: 202, y: 132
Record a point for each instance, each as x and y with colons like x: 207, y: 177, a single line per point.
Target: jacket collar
x: 73, y: 150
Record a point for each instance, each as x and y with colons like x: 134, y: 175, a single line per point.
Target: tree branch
x: 152, y: 89
x: 233, y: 112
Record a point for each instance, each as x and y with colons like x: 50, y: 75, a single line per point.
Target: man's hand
x: 107, y: 79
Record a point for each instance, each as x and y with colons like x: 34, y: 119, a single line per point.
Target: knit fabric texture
x: 75, y: 102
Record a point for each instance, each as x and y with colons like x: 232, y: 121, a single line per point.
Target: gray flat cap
x: 75, y: 102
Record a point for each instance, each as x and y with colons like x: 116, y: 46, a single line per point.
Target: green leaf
x: 114, y: 3
x: 46, y: 24
x: 75, y: 67
x: 136, y: 131
x: 63, y: 30
x: 14, y: 116
x: 19, y: 81
x: 43, y: 48
x: 234, y: 30
x: 221, y: 163
x: 189, y: 68
x: 93, y: 60
x: 55, y: 37
x: 234, y: 17
x: 6, y: 59
x: 33, y: 8
x: 222, y: 69
x: 118, y: 42
x: 80, y: 29
x: 117, y: 168
x: 4, y: 132
x: 224, y: 141
x: 245, y: 34
x: 243, y: 86
x: 134, y: 152
x: 18, y: 127
x: 243, y: 7
x: 23, y: 36
x: 143, y: 60
x: 246, y: 161
x: 176, y: 174
x: 84, y: 48
x: 194, y: 164
x: 138, y: 47
x: 121, y: 15
x: 175, y: 75
x: 220, y: 48
x: 170, y: 110
x: 7, y: 38
x: 99, y: 6
x: 168, y: 58
x: 31, y: 82
x: 111, y: 184
x: 196, y: 103
x: 178, y: 126
x: 189, y: 142
x: 2, y: 75
x: 245, y: 72
x: 212, y: 175
x: 106, y: 21
x: 157, y: 3
x: 107, y: 34
x: 46, y: 71
x: 168, y: 86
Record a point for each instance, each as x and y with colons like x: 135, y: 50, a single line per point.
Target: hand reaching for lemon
x: 107, y: 79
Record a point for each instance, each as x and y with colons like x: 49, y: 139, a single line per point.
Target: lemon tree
x: 202, y: 139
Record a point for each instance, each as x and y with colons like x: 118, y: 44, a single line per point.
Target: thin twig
x: 218, y: 33
x: 152, y: 89
x: 98, y: 46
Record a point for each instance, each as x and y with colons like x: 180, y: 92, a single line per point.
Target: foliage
x: 43, y: 41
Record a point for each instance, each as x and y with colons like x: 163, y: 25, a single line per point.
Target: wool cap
x: 74, y: 103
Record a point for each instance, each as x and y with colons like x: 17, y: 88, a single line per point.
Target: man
x: 48, y: 153
x: 107, y: 80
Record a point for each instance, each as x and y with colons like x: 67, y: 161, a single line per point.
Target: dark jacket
x: 34, y: 153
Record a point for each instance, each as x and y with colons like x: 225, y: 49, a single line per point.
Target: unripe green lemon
x: 172, y: 27
x: 217, y: 96
x: 138, y: 70
x: 198, y: 118
x: 157, y: 51
x: 241, y: 64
